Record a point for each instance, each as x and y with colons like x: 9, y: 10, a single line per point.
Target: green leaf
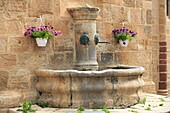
x: 106, y: 110
x: 80, y: 110
x: 19, y: 109
x: 134, y: 111
x: 26, y: 107
x: 148, y: 108
x: 161, y: 99
x: 143, y: 101
x: 161, y: 104
x: 41, y: 34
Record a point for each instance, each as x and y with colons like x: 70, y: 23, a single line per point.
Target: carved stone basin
x: 118, y: 87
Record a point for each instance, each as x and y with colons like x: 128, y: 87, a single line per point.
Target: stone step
x: 10, y: 99
x: 138, y: 108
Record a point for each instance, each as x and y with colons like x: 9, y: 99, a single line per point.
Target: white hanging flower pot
x: 123, y: 43
x: 41, y: 42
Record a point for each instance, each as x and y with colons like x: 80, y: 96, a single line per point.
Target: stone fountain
x: 84, y: 85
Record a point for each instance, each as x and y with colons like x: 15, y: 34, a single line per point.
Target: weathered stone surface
x: 39, y: 7
x: 135, y: 58
x: 106, y: 58
x: 148, y: 31
x: 12, y: 98
x: 56, y: 61
x: 9, y: 99
x: 31, y: 61
x: 107, y: 14
x: 21, y: 82
x: 3, y: 26
x: 139, y: 3
x: 55, y: 89
x: 85, y: 13
x: 5, y: 110
x: 91, y: 89
x: 129, y: 3
x: 17, y: 53
x: 85, y: 28
x: 63, y: 44
x: 70, y: 58
x: 2, y: 5
x: 3, y: 44
x: 136, y: 16
x: 4, y: 75
x: 14, y: 28
x: 63, y: 25
x: 17, y: 5
x: 151, y: 99
x: 19, y: 44
x: 7, y: 61
x: 149, y: 17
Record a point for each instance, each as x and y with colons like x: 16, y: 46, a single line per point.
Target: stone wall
x: 20, y: 57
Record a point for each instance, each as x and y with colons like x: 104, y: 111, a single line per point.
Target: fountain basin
x: 117, y: 87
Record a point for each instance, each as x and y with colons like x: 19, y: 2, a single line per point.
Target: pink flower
x: 59, y: 32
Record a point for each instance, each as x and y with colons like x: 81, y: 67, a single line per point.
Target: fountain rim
x: 130, y: 71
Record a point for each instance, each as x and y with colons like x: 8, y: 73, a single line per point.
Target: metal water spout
x: 85, y: 30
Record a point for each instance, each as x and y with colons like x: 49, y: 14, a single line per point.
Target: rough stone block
x: 39, y: 7
x: 135, y: 58
x: 14, y: 28
x: 63, y: 44
x: 117, y: 2
x: 4, y: 75
x: 129, y: 3
x: 63, y: 25
x: 55, y: 88
x: 69, y: 61
x: 56, y: 61
x: 7, y: 61
x: 3, y: 44
x: 5, y: 110
x: 136, y: 16
x: 107, y: 14
x: 2, y: 5
x: 17, y: 5
x: 148, y: 31
x: 13, y: 99
x: 3, y: 28
x: 149, y: 16
x: 19, y: 44
x: 84, y: 95
x: 139, y: 3
x: 32, y: 61
x: 21, y: 83
x: 9, y: 99
x: 106, y: 58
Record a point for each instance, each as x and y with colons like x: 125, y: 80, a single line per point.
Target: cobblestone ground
x: 153, y: 104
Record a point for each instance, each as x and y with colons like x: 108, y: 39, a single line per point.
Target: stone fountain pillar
x: 85, y: 29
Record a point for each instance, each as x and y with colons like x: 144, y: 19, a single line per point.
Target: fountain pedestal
x: 85, y: 23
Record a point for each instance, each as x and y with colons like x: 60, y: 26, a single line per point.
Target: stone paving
x: 154, y: 104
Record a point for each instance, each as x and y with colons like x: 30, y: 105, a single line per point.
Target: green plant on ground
x: 105, y: 110
x: 148, y: 108
x: 161, y: 104
x: 143, y: 101
x: 134, y: 111
x: 44, y: 105
x: 80, y: 110
x: 161, y: 99
x: 26, y: 107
